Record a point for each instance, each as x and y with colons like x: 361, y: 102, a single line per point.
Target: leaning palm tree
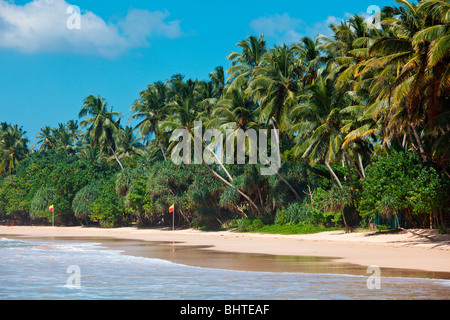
x: 183, y: 115
x: 102, y: 125
x: 318, y: 122
x: 234, y: 113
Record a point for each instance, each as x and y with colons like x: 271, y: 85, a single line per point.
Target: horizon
x: 121, y: 48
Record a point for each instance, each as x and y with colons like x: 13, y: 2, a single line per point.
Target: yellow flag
x: 51, y: 208
x: 172, y: 207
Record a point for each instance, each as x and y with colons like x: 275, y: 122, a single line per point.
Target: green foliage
x: 42, y: 200
x: 84, y: 199
x: 249, y: 225
x: 108, y: 208
x: 341, y: 104
x: 402, y: 183
x: 55, y: 170
x: 442, y: 229
x: 300, y: 228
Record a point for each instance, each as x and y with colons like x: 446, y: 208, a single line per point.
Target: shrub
x: 402, y: 183
x: 248, y: 225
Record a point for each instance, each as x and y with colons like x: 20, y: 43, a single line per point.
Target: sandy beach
x: 413, y: 250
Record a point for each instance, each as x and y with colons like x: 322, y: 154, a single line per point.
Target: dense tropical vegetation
x: 364, y: 135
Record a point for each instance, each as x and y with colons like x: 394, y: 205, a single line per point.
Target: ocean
x: 87, y: 270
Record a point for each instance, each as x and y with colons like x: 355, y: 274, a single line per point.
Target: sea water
x: 77, y: 270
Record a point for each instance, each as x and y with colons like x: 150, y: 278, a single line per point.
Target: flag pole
x: 53, y: 217
x: 173, y: 218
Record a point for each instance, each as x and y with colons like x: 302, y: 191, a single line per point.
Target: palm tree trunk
x: 115, y: 156
x: 419, y: 143
x: 282, y: 178
x: 356, y: 167
x: 361, y: 165
x: 277, y: 140
x: 413, y: 147
x: 162, y: 150
x: 230, y: 185
x: 327, y: 163
x: 348, y: 170
x: 219, y: 161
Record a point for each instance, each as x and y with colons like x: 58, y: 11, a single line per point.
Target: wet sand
x: 401, y: 255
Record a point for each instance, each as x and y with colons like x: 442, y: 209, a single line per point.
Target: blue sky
x: 47, y: 69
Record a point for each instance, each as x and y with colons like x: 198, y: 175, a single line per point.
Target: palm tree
x: 45, y: 139
x: 63, y: 139
x: 310, y: 55
x: 243, y: 63
x: 91, y: 154
x: 149, y: 109
x: 234, y: 111
x: 102, y: 126
x: 182, y: 113
x: 13, y: 147
x: 275, y: 85
x: 128, y: 145
x: 217, y: 78
x: 415, y: 50
x: 72, y: 127
x: 318, y: 122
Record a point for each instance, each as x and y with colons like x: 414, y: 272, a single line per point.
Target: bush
x: 301, y: 212
x: 402, y: 183
x: 42, y: 200
x: 108, y: 208
x: 248, y: 225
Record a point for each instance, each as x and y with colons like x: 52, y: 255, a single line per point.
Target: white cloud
x: 285, y: 29
x: 322, y: 27
x: 282, y: 28
x: 41, y: 26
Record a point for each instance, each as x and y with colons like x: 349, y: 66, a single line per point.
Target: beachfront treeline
x: 363, y: 120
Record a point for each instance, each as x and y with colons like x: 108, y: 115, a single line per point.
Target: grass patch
x: 293, y: 229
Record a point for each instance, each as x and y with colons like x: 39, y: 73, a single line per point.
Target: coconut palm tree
x: 128, y: 145
x: 182, y: 114
x: 45, y: 139
x: 64, y: 139
x: 73, y: 128
x: 275, y: 85
x: 415, y: 52
x: 102, y: 126
x: 243, y: 63
x: 149, y: 110
x: 13, y: 147
x: 318, y: 122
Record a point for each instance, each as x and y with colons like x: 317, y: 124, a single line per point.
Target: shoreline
x: 422, y: 251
